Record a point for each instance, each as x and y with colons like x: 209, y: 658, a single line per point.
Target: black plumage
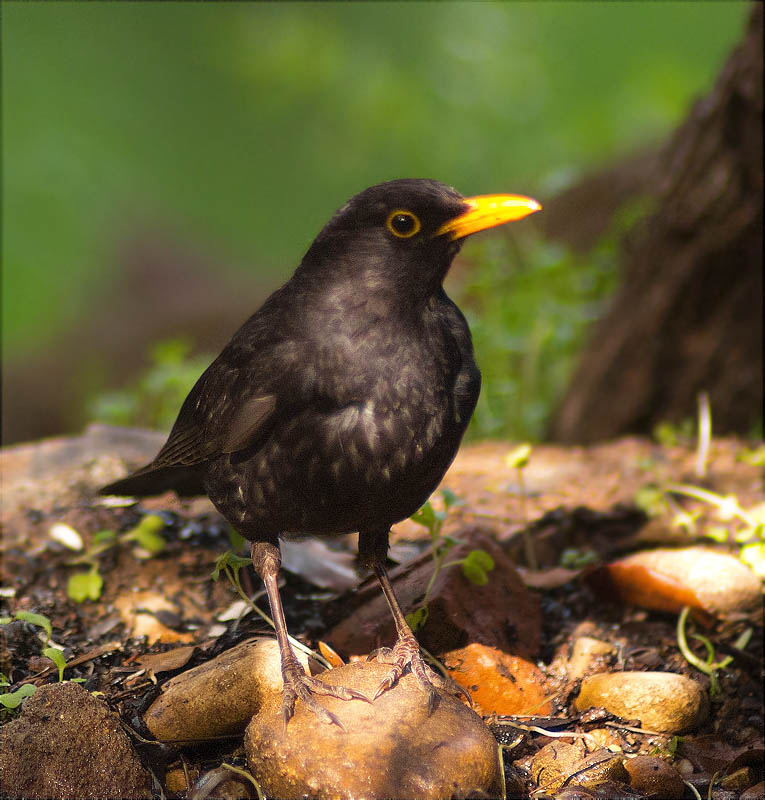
x: 339, y: 405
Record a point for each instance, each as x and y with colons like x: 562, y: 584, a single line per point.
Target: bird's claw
x: 406, y: 653
x: 299, y: 685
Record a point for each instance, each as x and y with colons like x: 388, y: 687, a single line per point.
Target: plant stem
x: 233, y: 576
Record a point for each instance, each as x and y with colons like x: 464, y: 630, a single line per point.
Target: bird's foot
x: 299, y: 685
x: 406, y: 653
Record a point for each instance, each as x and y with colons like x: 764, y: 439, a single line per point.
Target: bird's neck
x: 387, y: 287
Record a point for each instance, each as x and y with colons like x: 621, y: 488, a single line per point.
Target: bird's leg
x: 406, y: 651
x: 266, y: 559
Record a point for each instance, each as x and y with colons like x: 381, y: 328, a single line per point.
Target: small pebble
x: 584, y: 652
x: 756, y: 792
x: 655, y: 777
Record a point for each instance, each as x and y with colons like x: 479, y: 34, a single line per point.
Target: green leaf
x: 13, y: 699
x: 35, y: 619
x: 235, y: 539
x: 153, y: 542
x: 481, y: 558
x: 754, y: 555
x: 230, y: 560
x: 476, y: 565
x: 754, y: 457
x: 475, y: 573
x: 426, y: 516
x: 651, y: 500
x: 574, y: 558
x: 417, y: 618
x: 518, y: 458
x: 147, y: 534
x: 450, y: 499
x: 84, y: 586
x: 104, y: 536
x: 57, y: 657
x: 151, y: 523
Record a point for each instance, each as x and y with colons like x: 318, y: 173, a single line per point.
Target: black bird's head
x: 401, y: 236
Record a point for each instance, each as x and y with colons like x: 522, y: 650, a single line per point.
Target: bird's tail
x: 149, y: 480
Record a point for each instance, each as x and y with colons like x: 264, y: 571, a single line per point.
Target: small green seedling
x: 753, y: 456
x: 709, y: 667
x: 10, y: 701
x: 40, y: 620
x: 518, y: 459
x: 57, y: 657
x: 669, y: 434
x: 731, y: 523
x: 36, y: 619
x: 230, y: 564
x: 84, y: 586
x: 475, y: 565
x: 147, y: 539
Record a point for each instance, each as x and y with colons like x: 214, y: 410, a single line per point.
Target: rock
x: 600, y: 738
x: 668, y: 579
x: 737, y: 780
x: 756, y: 792
x: 584, y: 654
x: 220, y: 697
x: 499, y: 682
x: 503, y: 613
x: 67, y: 744
x: 141, y: 613
x: 65, y: 469
x: 662, y: 701
x: 652, y: 776
x: 391, y: 748
x: 558, y: 762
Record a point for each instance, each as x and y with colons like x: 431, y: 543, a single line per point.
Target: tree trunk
x: 688, y: 316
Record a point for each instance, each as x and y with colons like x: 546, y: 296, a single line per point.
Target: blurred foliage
x: 241, y: 126
x: 529, y: 304
x: 154, y: 399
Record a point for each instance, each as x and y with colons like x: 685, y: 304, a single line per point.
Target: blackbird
x: 339, y: 405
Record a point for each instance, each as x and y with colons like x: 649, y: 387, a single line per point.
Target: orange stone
x: 499, y: 682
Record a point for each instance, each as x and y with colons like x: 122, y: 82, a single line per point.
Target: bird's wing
x: 207, y: 426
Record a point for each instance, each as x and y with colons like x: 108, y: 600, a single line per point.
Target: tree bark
x: 688, y: 315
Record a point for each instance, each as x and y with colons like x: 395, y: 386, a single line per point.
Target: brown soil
x: 576, y: 501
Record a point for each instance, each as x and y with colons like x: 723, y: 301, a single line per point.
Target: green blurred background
x: 234, y: 130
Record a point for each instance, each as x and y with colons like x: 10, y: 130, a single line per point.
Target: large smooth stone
x: 218, y: 698
x: 391, y: 748
x: 662, y: 701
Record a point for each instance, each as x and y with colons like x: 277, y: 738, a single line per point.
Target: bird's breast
x: 390, y: 414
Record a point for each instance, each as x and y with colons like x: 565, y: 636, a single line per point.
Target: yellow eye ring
x: 403, y: 223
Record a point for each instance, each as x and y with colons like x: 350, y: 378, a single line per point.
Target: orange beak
x: 487, y: 211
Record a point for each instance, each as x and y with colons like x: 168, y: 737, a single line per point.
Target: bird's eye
x: 402, y: 224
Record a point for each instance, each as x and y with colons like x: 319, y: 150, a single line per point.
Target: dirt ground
x: 580, y: 506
